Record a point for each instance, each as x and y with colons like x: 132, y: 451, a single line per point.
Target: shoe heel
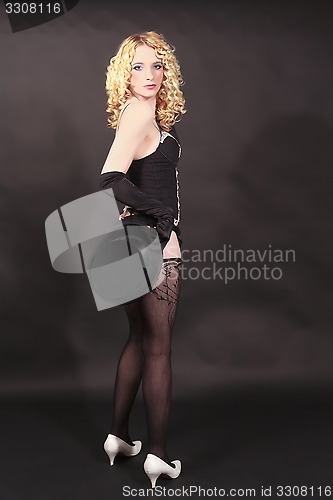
x: 111, y: 454
x: 153, y: 477
x: 112, y: 457
x: 114, y: 445
x: 155, y: 466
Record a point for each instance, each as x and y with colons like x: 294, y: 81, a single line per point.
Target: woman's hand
x: 129, y: 194
x: 164, y: 225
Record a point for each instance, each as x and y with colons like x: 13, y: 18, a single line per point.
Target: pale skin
x: 138, y: 135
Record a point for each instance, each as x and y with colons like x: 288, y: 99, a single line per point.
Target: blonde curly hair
x: 169, y: 99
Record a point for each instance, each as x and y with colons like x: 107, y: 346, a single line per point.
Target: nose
x: 149, y: 74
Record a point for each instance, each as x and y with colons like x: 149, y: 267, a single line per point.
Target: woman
x: 144, y: 101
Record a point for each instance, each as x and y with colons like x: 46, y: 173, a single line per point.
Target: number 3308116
x: 33, y: 8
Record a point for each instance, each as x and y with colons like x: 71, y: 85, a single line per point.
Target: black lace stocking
x: 147, y: 357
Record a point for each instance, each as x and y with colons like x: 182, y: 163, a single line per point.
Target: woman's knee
x: 156, y: 345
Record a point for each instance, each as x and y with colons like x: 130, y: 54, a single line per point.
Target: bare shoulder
x: 137, y: 114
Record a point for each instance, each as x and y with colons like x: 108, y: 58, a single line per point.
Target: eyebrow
x: 156, y: 62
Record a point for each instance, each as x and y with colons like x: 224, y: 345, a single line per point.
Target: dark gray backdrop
x: 255, y: 171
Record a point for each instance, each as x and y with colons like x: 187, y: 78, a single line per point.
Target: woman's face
x: 146, y: 74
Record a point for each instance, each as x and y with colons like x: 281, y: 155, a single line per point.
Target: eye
x: 137, y: 67
x: 158, y: 66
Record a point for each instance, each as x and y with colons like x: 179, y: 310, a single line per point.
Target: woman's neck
x: 151, y: 101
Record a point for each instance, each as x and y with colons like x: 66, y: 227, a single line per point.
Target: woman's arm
x: 133, y: 129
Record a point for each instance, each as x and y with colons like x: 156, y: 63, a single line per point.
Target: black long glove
x: 126, y: 192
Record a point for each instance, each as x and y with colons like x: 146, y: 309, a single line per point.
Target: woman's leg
x: 155, y: 313
x: 129, y: 372
x: 158, y: 312
x: 172, y: 248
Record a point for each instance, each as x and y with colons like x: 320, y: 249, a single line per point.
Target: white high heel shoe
x: 114, y: 445
x: 154, y: 466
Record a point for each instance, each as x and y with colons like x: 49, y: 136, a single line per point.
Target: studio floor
x: 231, y: 442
